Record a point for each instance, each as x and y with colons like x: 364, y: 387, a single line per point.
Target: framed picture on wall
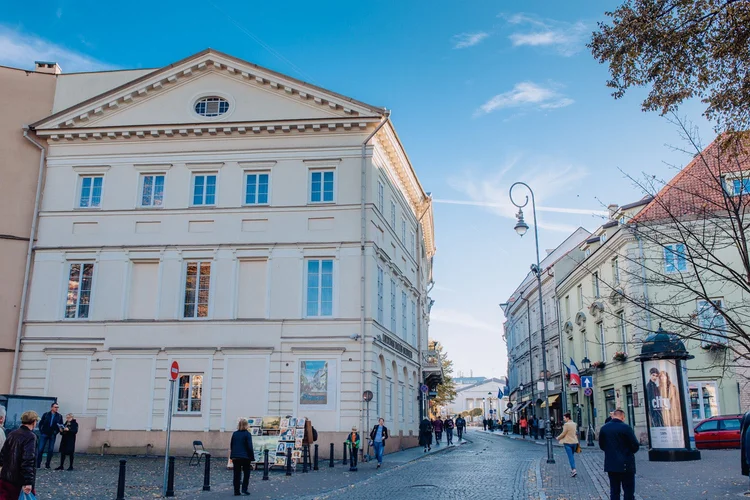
x: 317, y: 384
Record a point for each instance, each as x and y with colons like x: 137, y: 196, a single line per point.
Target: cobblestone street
x: 490, y: 466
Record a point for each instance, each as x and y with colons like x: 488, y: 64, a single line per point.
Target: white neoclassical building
x: 269, y: 235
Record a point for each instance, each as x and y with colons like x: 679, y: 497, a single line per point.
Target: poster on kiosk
x: 664, y: 404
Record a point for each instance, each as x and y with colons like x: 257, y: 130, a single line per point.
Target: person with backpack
x: 425, y: 434
x: 437, y: 427
x: 378, y: 435
x: 449, y: 425
x: 460, y: 426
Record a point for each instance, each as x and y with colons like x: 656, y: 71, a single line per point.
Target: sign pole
x: 174, y: 372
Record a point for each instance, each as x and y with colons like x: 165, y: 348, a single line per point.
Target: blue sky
x: 482, y: 94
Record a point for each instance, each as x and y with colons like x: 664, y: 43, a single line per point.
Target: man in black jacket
x: 619, y: 443
x: 17, y: 459
x: 49, y: 428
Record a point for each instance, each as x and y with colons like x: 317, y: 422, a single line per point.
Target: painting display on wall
x: 313, y: 383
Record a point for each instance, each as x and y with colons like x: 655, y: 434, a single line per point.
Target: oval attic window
x: 211, y: 106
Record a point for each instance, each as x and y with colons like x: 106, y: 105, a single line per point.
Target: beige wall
x: 25, y: 98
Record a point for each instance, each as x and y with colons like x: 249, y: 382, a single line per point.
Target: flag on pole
x: 499, y: 393
x: 575, y: 377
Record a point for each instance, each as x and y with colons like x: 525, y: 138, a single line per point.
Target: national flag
x: 499, y: 393
x: 575, y: 377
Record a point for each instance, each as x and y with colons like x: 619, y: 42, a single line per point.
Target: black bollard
x: 305, y: 452
x: 170, y: 478
x: 121, y: 481
x: 288, y: 461
x: 265, y: 465
x: 315, y: 459
x: 207, y: 473
x: 330, y: 457
x: 343, y: 461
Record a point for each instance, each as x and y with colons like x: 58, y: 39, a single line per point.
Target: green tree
x: 681, y: 49
x: 446, y: 391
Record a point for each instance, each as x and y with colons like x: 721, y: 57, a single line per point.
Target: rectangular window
x: 389, y: 399
x: 401, y: 402
x: 204, y: 190
x: 741, y: 186
x: 380, y: 295
x: 152, y: 190
x: 602, y: 341
x: 610, y: 402
x: 629, y: 404
x: 197, y: 288
x: 381, y: 197
x: 704, y: 400
x: 320, y: 287
x: 580, y: 297
x: 623, y: 330
x: 674, y: 258
x: 321, y: 186
x: 393, y: 305
x: 404, y: 324
x: 190, y: 393
x: 80, y: 278
x: 412, y: 243
x: 403, y: 230
x: 712, y: 323
x: 411, y: 405
x: 616, y: 271
x: 256, y: 189
x: 91, y: 191
x: 393, y: 214
x: 413, y: 323
x: 376, y: 398
x: 567, y: 307
x: 595, y: 283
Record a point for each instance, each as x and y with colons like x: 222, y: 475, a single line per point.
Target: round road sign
x: 367, y: 396
x: 174, y: 371
x: 424, y: 388
x: 588, y: 391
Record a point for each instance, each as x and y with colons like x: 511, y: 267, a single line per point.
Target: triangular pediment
x: 168, y: 96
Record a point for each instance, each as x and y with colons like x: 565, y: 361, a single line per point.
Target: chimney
x: 50, y: 68
x: 612, y: 209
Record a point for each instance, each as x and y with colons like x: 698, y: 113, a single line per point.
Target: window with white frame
x: 674, y: 258
x: 197, y: 289
x: 412, y: 398
x: 376, y: 397
x: 585, y: 345
x: 256, y: 188
x: 381, y: 196
x: 204, y: 190
x: 393, y: 305
x: 579, y: 291
x: 152, y: 190
x: 404, y: 324
x: 567, y: 307
x: 712, y: 322
x: 704, y: 399
x: 412, y: 243
x: 90, y: 191
x: 403, y: 230
x: 616, y: 270
x: 623, y: 330
x: 322, y: 186
x: 603, y: 238
x: 389, y: 399
x: 393, y: 215
x: 190, y: 393
x: 595, y: 284
x: 78, y: 298
x: 380, y: 295
x: 401, y: 402
x: 320, y: 287
x: 602, y: 340
x: 414, y: 323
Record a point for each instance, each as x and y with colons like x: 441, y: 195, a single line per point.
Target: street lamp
x: 586, y: 362
x: 521, y: 227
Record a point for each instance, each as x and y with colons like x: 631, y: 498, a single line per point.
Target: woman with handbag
x: 569, y: 439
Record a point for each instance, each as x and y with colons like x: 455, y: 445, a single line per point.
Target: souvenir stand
x: 277, y: 435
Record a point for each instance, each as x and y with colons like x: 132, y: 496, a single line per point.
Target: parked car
x: 719, y: 432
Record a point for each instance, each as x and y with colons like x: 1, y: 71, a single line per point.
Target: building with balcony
x: 269, y: 235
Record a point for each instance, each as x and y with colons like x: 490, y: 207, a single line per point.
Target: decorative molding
x: 313, y: 349
x: 91, y: 169
x: 262, y: 164
x: 324, y: 162
x: 596, y: 308
x: 200, y: 166
x: 581, y: 321
x: 152, y: 167
x: 615, y: 297
x: 89, y: 351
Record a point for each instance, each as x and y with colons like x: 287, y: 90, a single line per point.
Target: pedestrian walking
x: 378, y: 435
x: 49, y: 427
x: 484, y: 423
x: 241, y: 453
x: 17, y: 459
x: 449, y: 425
x: 569, y: 439
x: 437, y: 426
x: 532, y: 427
x: 619, y: 443
x: 425, y: 434
x: 540, y: 432
x: 460, y: 426
x: 353, y: 442
x: 68, y: 441
x: 2, y: 423
x: 523, y: 424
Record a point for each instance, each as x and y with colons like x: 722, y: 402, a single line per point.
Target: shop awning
x: 551, y: 401
x: 522, y: 406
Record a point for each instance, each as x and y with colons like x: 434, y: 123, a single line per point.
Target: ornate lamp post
x: 586, y: 362
x: 521, y: 227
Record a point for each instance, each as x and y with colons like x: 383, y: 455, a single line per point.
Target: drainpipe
x: 29, y: 252
x: 363, y: 266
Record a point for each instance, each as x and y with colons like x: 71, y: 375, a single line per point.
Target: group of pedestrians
x: 427, y: 427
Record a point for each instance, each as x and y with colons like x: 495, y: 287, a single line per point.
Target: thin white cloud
x: 525, y: 94
x: 563, y: 37
x: 548, y: 178
x: 459, y: 318
x: 21, y: 50
x: 558, y: 210
x: 465, y: 40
